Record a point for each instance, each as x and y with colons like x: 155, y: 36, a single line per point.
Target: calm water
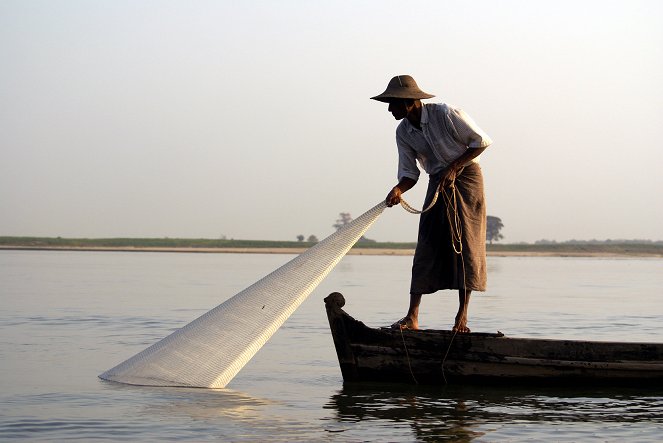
x: 68, y: 316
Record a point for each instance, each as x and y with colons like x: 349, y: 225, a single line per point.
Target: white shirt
x: 446, y: 133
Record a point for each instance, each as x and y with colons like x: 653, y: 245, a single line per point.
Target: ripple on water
x: 67, y: 429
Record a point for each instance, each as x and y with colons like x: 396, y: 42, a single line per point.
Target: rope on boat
x: 444, y: 359
x: 407, y: 355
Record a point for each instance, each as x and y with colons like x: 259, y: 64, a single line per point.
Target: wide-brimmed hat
x: 401, y: 86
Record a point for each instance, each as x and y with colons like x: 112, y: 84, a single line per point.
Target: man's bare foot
x: 461, y: 324
x: 406, y: 323
x: 461, y: 317
x: 462, y: 329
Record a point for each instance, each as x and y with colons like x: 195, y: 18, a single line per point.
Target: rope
x: 411, y: 210
x: 456, y: 243
x: 456, y: 239
x: 407, y: 355
x: 454, y: 221
x: 444, y: 359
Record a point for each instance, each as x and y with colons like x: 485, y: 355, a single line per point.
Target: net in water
x: 212, y: 349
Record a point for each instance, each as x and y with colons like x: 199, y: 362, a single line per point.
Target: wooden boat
x: 440, y: 357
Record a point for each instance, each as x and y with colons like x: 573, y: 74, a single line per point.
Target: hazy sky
x: 252, y: 119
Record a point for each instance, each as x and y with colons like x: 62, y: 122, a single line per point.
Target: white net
x: 212, y: 349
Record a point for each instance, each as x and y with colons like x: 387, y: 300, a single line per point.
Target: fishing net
x: 212, y: 349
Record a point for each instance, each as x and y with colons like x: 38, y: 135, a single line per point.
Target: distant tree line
x: 311, y: 238
x: 345, y: 218
x: 493, y: 227
x: 599, y: 242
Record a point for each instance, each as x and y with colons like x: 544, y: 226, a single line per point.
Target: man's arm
x: 454, y: 168
x: 394, y: 196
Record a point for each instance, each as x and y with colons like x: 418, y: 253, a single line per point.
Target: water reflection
x: 217, y: 414
x: 195, y: 403
x: 468, y: 413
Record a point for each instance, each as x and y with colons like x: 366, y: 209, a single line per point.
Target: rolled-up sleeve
x: 466, y: 131
x: 407, y: 160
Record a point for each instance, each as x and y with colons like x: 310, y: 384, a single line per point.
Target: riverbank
x: 617, y: 248
x: 492, y: 250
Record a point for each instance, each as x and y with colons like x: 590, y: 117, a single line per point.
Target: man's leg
x: 413, y: 310
x: 461, y: 316
x: 411, y: 319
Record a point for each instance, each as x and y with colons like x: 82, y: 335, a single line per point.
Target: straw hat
x: 402, y: 86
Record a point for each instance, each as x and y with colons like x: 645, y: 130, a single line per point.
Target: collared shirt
x: 446, y: 133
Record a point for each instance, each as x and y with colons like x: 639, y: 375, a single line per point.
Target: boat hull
x: 440, y: 357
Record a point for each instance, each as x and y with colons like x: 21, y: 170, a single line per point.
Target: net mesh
x: 212, y: 349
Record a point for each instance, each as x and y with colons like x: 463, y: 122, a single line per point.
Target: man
x: 451, y: 245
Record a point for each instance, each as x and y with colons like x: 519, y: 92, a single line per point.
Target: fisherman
x: 451, y: 245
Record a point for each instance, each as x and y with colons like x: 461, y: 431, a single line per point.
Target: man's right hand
x: 394, y: 197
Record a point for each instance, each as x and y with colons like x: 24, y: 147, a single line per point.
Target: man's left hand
x: 448, y: 176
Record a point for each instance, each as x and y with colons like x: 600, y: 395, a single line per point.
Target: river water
x: 68, y: 316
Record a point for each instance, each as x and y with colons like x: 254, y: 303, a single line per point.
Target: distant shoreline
x: 512, y: 251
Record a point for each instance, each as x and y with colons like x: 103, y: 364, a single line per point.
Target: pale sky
x: 252, y: 119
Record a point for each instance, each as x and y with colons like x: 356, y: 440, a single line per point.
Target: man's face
x: 398, y: 109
